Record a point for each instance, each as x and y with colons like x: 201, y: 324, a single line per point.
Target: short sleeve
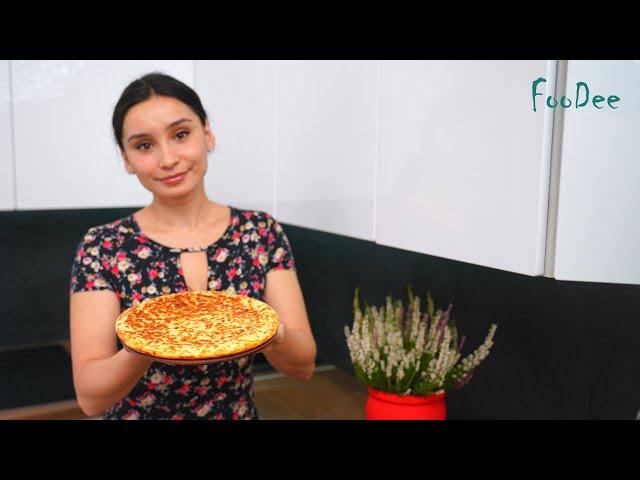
x: 88, y: 271
x: 279, y: 248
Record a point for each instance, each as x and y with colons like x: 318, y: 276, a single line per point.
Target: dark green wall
x: 562, y: 349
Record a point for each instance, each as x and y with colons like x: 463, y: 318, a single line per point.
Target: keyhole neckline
x: 148, y: 239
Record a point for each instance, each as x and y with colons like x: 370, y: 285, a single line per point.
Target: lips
x: 173, y: 177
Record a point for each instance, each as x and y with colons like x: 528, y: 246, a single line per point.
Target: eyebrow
x: 177, y: 122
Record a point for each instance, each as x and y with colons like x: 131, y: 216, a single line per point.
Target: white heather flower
x: 376, y: 343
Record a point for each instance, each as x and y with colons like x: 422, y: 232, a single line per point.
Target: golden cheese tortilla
x: 198, y: 325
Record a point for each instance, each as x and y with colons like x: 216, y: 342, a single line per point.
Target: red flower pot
x: 389, y: 406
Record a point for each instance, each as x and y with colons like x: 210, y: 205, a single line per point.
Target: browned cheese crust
x: 197, y: 325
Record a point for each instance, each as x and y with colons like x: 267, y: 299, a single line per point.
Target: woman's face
x: 163, y: 137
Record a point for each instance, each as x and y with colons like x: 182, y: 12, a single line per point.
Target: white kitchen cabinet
x: 7, y: 187
x: 66, y: 157
x: 239, y: 97
x: 326, y: 145
x: 598, y: 227
x: 462, y: 166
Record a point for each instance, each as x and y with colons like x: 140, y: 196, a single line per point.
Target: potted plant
x: 409, y: 359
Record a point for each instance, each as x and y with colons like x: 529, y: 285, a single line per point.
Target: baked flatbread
x: 199, y: 325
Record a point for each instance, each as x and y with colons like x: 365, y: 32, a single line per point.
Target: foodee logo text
x: 582, y: 95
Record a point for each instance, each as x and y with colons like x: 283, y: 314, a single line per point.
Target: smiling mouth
x: 173, y: 177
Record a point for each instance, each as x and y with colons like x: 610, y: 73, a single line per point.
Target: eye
x: 138, y: 147
x: 180, y: 136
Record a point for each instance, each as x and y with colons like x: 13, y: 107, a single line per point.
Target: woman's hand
x: 280, y: 335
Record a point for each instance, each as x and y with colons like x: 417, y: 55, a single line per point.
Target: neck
x: 186, y: 214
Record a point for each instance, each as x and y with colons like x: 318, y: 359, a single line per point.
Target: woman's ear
x: 127, y: 164
x: 211, y: 138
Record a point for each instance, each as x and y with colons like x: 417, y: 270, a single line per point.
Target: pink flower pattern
x: 118, y: 256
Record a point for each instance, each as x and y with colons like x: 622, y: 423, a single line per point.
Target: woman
x: 181, y: 241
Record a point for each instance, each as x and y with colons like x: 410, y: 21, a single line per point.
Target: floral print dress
x: 118, y: 256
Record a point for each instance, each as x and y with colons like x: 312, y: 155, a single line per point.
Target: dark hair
x: 155, y: 83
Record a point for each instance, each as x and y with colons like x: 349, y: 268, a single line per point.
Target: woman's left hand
x: 280, y: 334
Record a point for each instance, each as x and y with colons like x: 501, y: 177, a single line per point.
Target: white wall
x: 598, y: 233
x: 445, y: 158
x: 326, y: 145
x: 64, y: 149
x: 462, y: 169
x: 7, y: 192
x: 240, y: 100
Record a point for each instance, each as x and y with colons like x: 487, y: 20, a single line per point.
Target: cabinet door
x: 65, y: 153
x: 598, y: 230
x: 239, y: 97
x: 326, y: 143
x: 463, y: 172
x: 7, y: 192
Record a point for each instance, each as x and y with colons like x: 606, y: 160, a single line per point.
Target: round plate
x: 177, y: 361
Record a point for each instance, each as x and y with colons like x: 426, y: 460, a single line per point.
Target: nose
x: 167, y: 158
